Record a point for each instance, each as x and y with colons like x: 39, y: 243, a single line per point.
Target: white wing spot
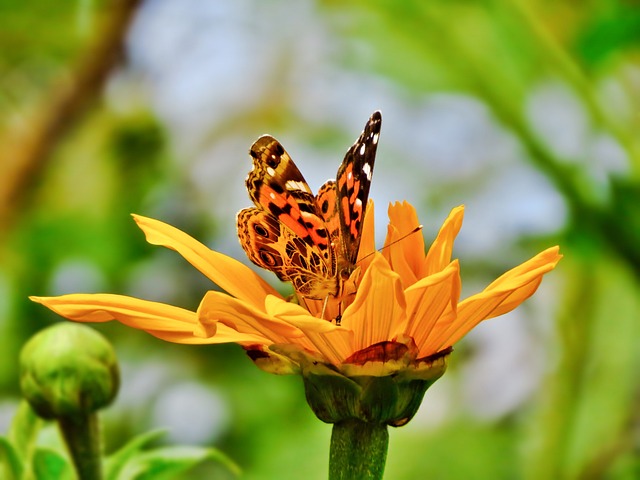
x: 349, y: 176
x: 375, y: 138
x: 366, y: 168
x: 358, y: 203
x: 272, y: 196
x: 362, y: 149
x: 293, y: 185
x: 271, y: 171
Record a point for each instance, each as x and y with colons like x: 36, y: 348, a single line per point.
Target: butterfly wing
x: 327, y: 208
x: 272, y: 246
x: 276, y: 185
x: 352, y: 190
x: 305, y: 239
x: 284, y: 232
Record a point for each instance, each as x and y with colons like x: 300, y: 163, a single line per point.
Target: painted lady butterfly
x: 309, y: 240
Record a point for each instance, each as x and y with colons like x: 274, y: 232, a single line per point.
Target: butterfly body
x: 309, y: 240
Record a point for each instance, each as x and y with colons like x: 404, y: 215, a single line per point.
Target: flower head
x: 403, y: 318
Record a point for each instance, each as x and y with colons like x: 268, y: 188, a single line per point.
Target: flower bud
x: 68, y: 370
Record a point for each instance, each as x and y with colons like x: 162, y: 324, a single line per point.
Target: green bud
x: 68, y: 370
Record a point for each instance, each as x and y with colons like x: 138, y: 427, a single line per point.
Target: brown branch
x: 24, y: 154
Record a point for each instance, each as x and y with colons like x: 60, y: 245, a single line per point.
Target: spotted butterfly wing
x: 352, y: 190
x: 276, y: 185
x: 284, y: 233
x: 311, y: 241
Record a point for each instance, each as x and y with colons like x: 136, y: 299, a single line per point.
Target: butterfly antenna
x: 324, y: 306
x: 416, y: 229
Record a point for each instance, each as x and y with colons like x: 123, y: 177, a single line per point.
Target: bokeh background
x: 526, y: 111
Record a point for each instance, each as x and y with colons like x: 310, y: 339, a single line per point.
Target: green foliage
x: 586, y: 420
x: 18, y: 446
x: 616, y: 28
x: 124, y: 157
x: 21, y: 458
x: 51, y: 465
x: 131, y: 462
x: 462, y: 449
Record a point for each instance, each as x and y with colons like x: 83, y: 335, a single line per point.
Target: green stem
x: 81, y: 433
x: 358, y: 450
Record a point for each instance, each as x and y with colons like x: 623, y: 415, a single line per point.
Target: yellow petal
x: 229, y: 274
x: 164, y: 321
x: 296, y: 315
x: 430, y: 301
x: 333, y: 346
x: 404, y: 247
x: 219, y: 308
x: 367, y: 241
x: 379, y: 306
x: 322, y: 337
x: 439, y: 255
x: 395, y: 255
x: 501, y: 296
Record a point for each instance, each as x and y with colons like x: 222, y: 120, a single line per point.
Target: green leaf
x: 51, y: 465
x: 16, y: 449
x: 116, y: 463
x: 165, y: 463
x: 615, y: 29
x: 24, y: 429
x: 10, y: 460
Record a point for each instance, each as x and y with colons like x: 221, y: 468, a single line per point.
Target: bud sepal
x: 382, y: 384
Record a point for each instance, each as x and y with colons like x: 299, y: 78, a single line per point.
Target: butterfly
x: 309, y: 240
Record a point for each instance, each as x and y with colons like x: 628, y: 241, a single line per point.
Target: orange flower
x: 404, y: 317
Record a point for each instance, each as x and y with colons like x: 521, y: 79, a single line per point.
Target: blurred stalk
x: 24, y: 154
x: 506, y: 94
x: 82, y: 436
x: 562, y: 390
x: 571, y: 73
x: 604, y: 222
x: 588, y: 413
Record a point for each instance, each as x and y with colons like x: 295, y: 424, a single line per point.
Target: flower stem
x: 358, y: 450
x: 81, y: 433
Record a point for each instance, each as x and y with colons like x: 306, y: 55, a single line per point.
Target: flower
x: 402, y: 321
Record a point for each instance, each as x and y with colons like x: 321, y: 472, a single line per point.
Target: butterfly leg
x: 324, y: 311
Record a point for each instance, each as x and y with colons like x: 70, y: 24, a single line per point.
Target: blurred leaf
x: 462, y: 449
x: 116, y: 462
x: 616, y: 28
x: 609, y: 390
x: 50, y: 465
x: 624, y: 227
x: 10, y: 461
x: 21, y: 457
x: 589, y: 402
x: 167, y: 462
x: 24, y: 429
x: 132, y: 462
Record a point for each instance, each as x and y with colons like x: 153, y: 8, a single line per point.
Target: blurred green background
x: 525, y: 111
